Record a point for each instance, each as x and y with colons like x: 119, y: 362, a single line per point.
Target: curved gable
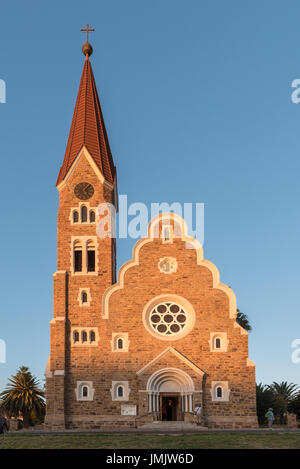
x: 180, y: 232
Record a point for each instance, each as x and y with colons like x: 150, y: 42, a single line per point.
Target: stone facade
x: 152, y: 345
x: 152, y: 365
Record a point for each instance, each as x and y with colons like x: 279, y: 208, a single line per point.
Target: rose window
x: 168, y: 318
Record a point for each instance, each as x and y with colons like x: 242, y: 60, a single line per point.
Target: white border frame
x: 115, y: 337
x: 87, y: 291
x: 225, y: 391
x: 78, y: 391
x: 114, y: 390
x: 87, y: 330
x: 224, y: 341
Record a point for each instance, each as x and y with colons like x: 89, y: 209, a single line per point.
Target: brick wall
x: 141, y: 282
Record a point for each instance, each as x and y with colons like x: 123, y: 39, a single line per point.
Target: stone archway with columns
x: 170, y: 381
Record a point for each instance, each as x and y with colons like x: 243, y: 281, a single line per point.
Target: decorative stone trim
x: 59, y: 272
x: 79, y: 298
x: 225, y: 391
x: 58, y: 318
x: 59, y: 373
x: 115, y: 390
x: 114, y: 342
x: 223, y: 341
x: 177, y: 354
x: 89, y: 331
x: 167, y: 265
x: 84, y: 153
x: 190, y: 243
x: 48, y: 372
x: 82, y: 388
x: 242, y: 330
x: 250, y: 362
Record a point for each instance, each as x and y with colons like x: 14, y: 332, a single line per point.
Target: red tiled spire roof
x: 88, y: 129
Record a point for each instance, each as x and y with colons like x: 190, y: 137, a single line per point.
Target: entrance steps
x: 174, y: 426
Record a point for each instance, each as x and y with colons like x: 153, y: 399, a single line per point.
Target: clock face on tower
x: 84, y: 190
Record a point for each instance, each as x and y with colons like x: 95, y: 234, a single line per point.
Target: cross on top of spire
x: 87, y: 30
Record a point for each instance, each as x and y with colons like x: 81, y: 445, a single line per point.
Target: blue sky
x: 196, y: 97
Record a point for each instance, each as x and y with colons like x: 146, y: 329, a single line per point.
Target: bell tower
x: 86, y: 263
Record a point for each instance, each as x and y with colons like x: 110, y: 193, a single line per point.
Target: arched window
x: 77, y: 256
x: 83, y: 214
x: 120, y: 391
x: 91, y: 256
x: 92, y: 216
x: 84, y: 297
x: 84, y: 391
x: 92, y: 336
x: 166, y: 233
x: 75, y: 216
x: 75, y: 337
x: 218, y: 342
x: 120, y: 344
x: 219, y: 392
x: 83, y: 336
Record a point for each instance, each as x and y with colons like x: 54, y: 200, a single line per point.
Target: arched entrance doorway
x: 170, y: 394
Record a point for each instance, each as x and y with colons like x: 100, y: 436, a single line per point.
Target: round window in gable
x: 169, y: 317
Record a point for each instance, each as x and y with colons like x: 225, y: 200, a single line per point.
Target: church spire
x: 88, y: 128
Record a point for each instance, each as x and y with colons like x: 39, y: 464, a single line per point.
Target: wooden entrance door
x: 170, y: 406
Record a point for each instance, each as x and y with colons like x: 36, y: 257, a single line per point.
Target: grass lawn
x: 134, y: 441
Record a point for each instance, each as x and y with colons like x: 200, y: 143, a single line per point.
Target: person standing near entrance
x: 270, y: 417
x: 198, y: 414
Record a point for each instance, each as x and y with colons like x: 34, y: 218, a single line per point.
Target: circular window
x: 168, y: 319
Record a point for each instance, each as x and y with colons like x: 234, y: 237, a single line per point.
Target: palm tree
x: 283, y: 394
x: 22, y: 396
x: 287, y: 391
x: 294, y: 405
x: 264, y: 400
x: 243, y: 321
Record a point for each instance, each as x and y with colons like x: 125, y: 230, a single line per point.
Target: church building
x: 152, y: 342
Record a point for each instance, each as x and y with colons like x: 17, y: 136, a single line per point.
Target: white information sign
x: 128, y: 409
